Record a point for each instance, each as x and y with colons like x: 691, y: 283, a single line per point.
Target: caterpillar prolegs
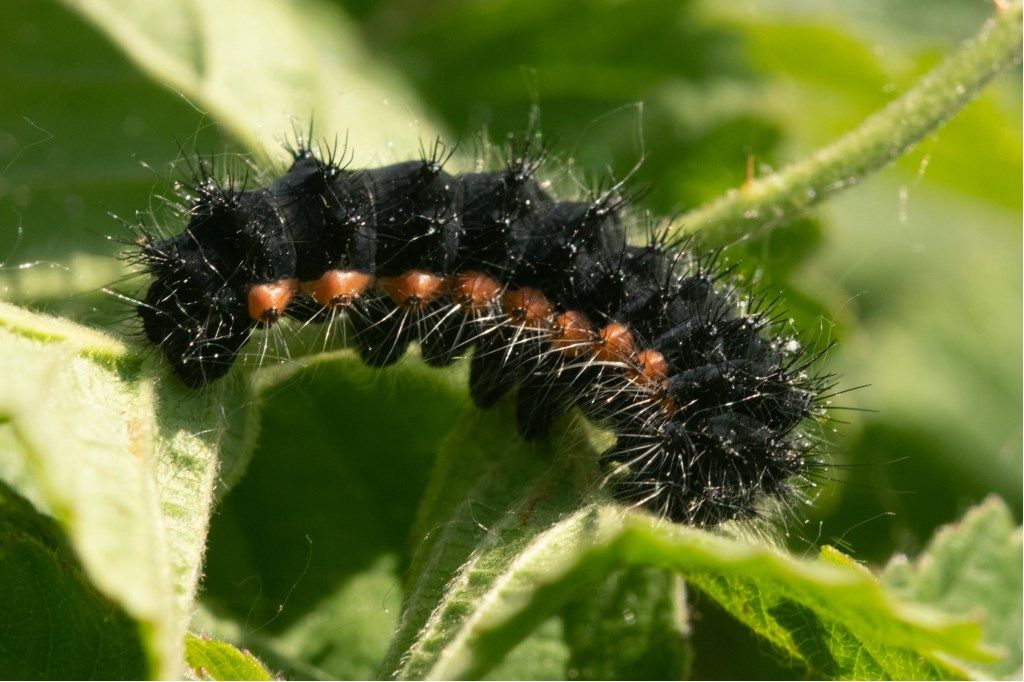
x: 711, y: 405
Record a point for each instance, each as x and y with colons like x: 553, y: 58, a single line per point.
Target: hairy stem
x: 776, y: 199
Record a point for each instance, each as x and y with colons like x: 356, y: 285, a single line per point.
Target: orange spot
x: 572, y: 333
x: 474, y: 291
x: 651, y: 368
x: 338, y: 288
x: 614, y: 344
x: 412, y: 289
x: 267, y: 302
x: 669, y: 406
x: 527, y: 306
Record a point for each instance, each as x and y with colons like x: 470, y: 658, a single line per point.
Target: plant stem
x: 776, y: 199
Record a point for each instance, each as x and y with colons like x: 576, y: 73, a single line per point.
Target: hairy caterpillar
x: 708, y: 401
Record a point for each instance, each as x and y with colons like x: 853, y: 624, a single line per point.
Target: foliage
x: 383, y: 526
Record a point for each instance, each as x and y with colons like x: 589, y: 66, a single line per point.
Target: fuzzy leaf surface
x: 210, y: 659
x: 973, y: 567
x: 119, y: 462
x: 831, y: 614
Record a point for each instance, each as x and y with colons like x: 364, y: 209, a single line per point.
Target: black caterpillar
x: 709, y: 403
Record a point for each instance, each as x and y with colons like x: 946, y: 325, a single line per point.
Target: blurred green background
x: 916, y: 273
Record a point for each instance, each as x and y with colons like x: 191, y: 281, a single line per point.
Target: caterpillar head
x: 191, y: 312
x: 227, y: 272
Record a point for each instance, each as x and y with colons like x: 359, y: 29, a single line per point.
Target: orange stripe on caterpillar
x: 267, y: 302
x: 338, y: 288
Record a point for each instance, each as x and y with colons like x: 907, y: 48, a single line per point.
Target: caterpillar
x: 711, y: 405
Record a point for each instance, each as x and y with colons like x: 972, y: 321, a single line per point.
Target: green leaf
x: 490, y: 493
x: 263, y: 71
x: 120, y: 463
x: 82, y: 133
x: 633, y: 627
x: 973, y: 567
x: 209, y: 659
x: 83, y: 634
x: 543, y: 655
x: 312, y: 579
x: 830, y: 614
